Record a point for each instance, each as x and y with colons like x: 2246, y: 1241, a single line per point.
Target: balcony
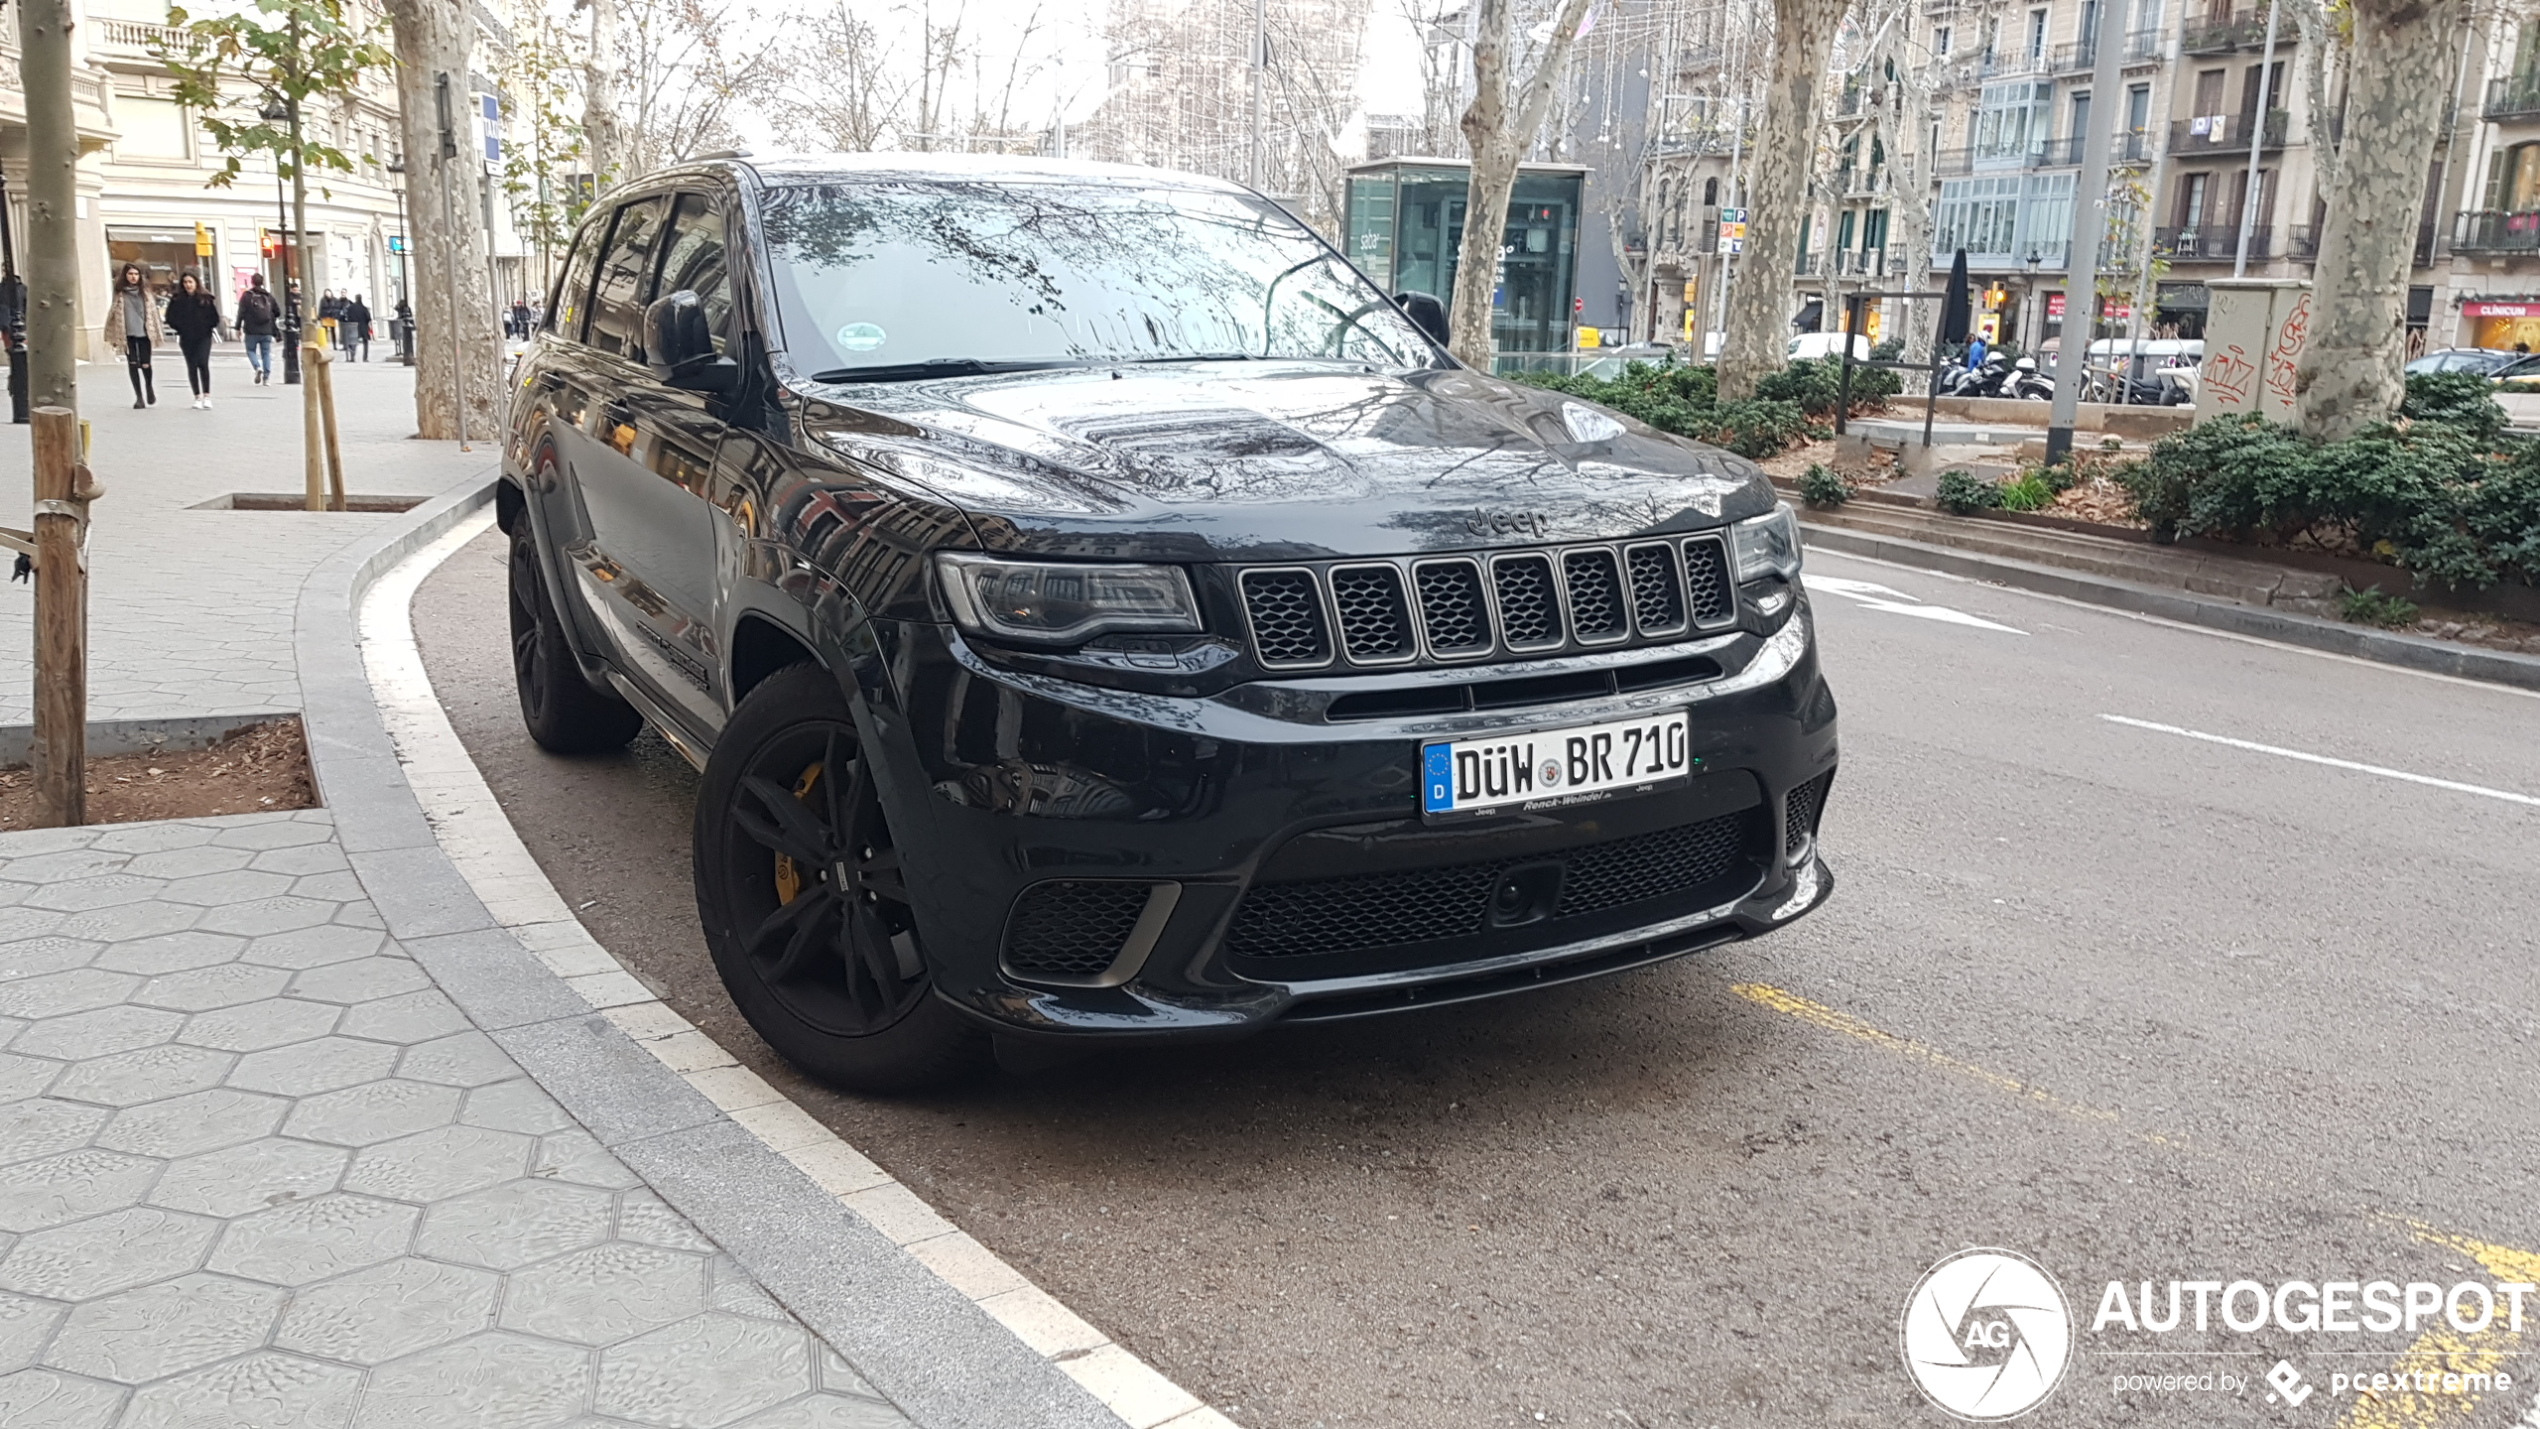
x: 2210, y: 243
x: 1861, y: 263
x: 135, y: 39
x: 2220, y: 30
x: 2495, y: 230
x: 1853, y: 102
x: 2141, y: 47
x: 2302, y: 241
x: 2512, y: 99
x: 2001, y: 66
x: 2225, y: 132
x: 1860, y: 181
x: 1810, y: 265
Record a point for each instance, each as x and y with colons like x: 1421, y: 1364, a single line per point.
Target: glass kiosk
x: 1405, y: 220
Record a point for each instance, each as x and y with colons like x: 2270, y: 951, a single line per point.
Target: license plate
x: 1552, y: 768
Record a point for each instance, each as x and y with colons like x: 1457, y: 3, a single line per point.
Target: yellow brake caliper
x: 789, y: 879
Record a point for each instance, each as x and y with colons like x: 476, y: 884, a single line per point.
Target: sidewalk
x: 282, y: 1144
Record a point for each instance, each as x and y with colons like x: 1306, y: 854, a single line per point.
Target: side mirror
x: 679, y: 347
x: 1426, y: 313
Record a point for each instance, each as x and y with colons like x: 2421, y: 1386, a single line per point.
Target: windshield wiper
x: 936, y: 367
x: 1194, y: 357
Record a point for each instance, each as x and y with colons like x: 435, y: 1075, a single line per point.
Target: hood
x: 1280, y: 461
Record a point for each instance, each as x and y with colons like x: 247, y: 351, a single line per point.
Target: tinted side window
x: 695, y: 260
x: 572, y: 298
x: 617, y: 304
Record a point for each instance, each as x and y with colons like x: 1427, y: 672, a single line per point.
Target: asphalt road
x: 2141, y: 1005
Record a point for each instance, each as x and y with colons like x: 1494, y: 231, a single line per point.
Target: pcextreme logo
x: 1986, y: 1334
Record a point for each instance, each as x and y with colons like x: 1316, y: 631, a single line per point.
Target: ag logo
x: 1986, y: 1334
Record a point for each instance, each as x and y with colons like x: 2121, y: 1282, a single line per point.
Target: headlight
x: 1768, y: 545
x: 1063, y: 603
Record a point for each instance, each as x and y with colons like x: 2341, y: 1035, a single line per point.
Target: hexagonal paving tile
x: 24, y: 1327
x: 95, y: 1034
x: 57, y: 1401
x: 363, y: 980
x: 519, y: 1222
x: 579, y: 1157
x: 189, y: 862
x: 63, y: 866
x: 314, y: 947
x: 54, y: 994
x: 465, y: 1059
x: 131, y: 920
x: 218, y: 889
x: 262, y: 1391
x: 34, y: 957
x: 255, y: 1026
x: 321, y: 1064
x: 104, y: 1254
x: 165, y: 1329
x: 642, y: 1216
x: 150, y: 838
x: 149, y: 1074
x: 188, y: 1125
x: 172, y: 952
x: 374, y: 1112
x: 606, y: 1293
x: 733, y: 1290
x: 269, y: 915
x: 23, y: 1077
x: 339, y: 887
x: 491, y: 1378
x: 415, y: 1017
x: 829, y: 1411
x: 276, y: 833
x: 104, y: 890
x: 438, y: 1164
x: 42, y: 1126
x: 18, y: 923
x: 399, y: 1308
x: 705, y: 1371
x: 240, y: 1179
x: 307, y: 858
x: 516, y: 1105
x: 202, y: 989
x: 300, y: 1241
x: 56, y: 1189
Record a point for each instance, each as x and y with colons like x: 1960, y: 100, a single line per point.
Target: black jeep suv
x: 1099, y: 612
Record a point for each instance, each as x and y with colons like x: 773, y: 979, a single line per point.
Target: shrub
x: 2459, y: 399
x: 1757, y: 428
x: 1822, y: 485
x: 1889, y: 349
x: 1818, y: 386
x: 2030, y: 493
x: 2059, y: 478
x: 1963, y: 494
x: 2374, y: 607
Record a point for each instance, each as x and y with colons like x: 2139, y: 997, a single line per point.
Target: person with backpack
x: 356, y: 324
x: 132, y: 324
x: 260, y: 322
x: 195, y: 315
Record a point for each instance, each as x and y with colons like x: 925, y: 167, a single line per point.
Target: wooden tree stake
x: 323, y: 375
x: 62, y: 493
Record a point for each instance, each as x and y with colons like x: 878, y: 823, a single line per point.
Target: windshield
x: 879, y: 279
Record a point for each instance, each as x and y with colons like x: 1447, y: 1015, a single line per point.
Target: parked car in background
x: 1100, y: 614
x: 1818, y: 346
x: 2495, y: 364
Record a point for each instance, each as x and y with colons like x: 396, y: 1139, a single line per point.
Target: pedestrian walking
x: 330, y: 311
x: 357, y: 328
x: 259, y: 321
x: 194, y: 315
x: 132, y: 323
x: 520, y: 319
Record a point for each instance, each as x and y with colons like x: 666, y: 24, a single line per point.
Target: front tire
x: 564, y: 714
x: 803, y: 903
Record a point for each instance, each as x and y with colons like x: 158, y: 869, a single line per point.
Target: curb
x: 913, y: 1333
x: 2412, y: 652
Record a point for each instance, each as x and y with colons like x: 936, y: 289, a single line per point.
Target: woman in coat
x: 132, y: 323
x: 194, y: 314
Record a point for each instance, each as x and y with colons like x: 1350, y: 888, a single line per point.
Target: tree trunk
x: 1777, y: 194
x: 1909, y: 170
x: 308, y: 380
x: 599, y: 97
x: 2403, y: 56
x: 1498, y: 136
x: 52, y: 209
x: 432, y: 41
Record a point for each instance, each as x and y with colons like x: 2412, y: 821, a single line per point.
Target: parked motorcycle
x: 2025, y: 381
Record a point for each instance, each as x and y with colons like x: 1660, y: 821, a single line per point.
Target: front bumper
x: 1245, y: 855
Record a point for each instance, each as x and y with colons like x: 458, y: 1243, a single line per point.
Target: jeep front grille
x: 1451, y: 609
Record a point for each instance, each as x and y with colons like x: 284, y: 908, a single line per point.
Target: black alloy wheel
x: 564, y: 714
x: 804, y: 904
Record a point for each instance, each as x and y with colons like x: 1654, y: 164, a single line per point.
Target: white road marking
x: 1873, y: 596
x: 2428, y: 780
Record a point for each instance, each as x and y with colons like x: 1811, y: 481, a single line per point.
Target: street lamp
x: 405, y: 285
x: 2037, y: 333
x: 277, y: 110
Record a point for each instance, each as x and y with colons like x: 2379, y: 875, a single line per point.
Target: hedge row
x: 1685, y: 401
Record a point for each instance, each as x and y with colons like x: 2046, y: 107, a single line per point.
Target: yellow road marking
x: 1819, y: 1015
x: 2444, y: 1350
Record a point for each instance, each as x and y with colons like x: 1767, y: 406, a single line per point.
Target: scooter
x: 2027, y: 382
